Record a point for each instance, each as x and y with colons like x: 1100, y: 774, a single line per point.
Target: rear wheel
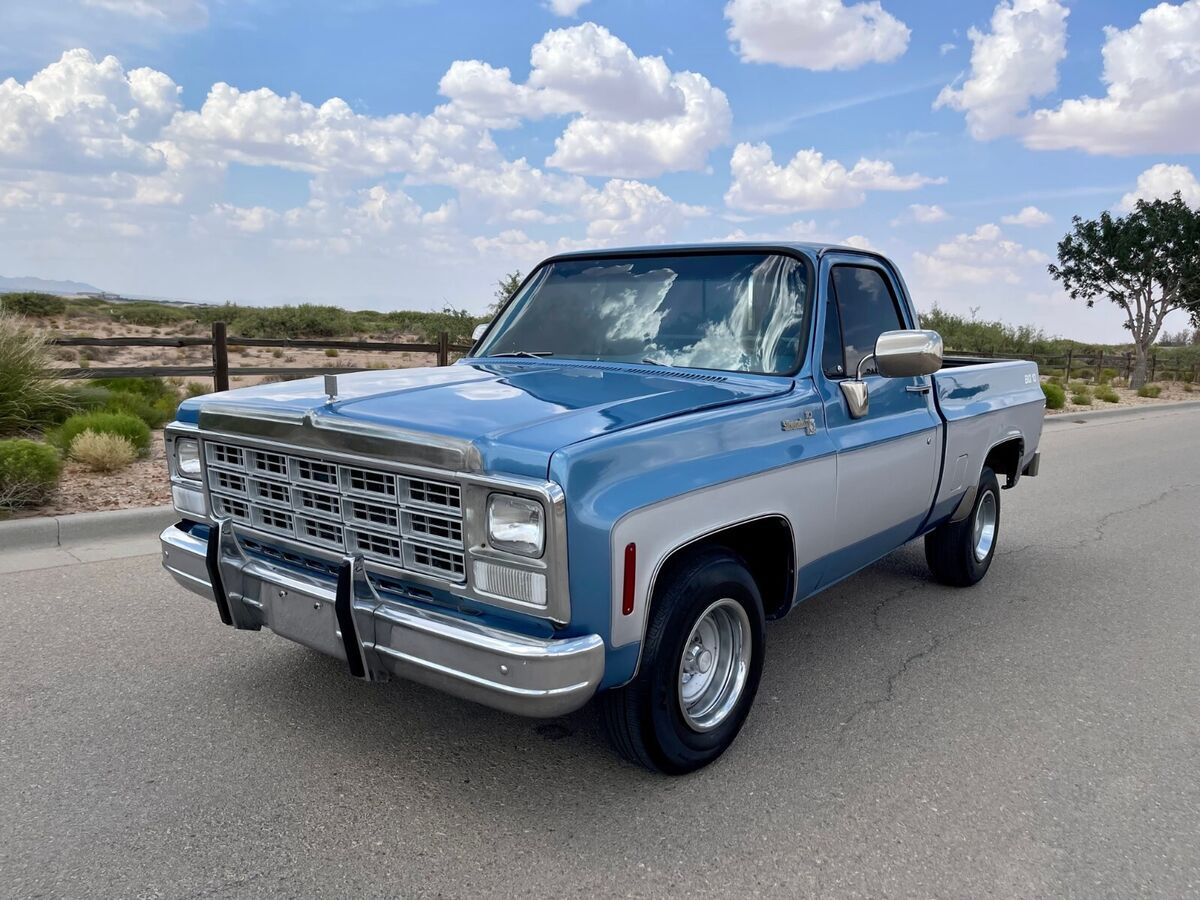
x: 959, y: 553
x: 701, y: 664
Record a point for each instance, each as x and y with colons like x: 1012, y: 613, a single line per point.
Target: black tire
x: 645, y: 719
x: 950, y: 549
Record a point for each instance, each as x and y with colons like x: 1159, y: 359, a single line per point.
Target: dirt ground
x: 1172, y: 392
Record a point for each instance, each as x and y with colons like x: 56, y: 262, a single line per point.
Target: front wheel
x: 701, y: 663
x: 959, y: 553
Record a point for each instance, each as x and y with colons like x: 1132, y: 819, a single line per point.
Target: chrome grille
x: 403, y: 521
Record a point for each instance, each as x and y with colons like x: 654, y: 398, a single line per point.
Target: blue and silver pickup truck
x: 646, y: 455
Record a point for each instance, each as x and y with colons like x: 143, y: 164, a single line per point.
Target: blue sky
x: 195, y: 148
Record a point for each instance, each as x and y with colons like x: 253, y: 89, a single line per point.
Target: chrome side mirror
x: 908, y: 354
x: 479, y: 331
x: 898, y: 354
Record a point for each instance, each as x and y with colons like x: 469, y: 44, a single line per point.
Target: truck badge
x: 805, y: 424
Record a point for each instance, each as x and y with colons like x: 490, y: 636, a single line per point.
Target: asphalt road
x: 1038, y: 735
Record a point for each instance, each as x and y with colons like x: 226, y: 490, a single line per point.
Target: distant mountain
x: 45, y: 286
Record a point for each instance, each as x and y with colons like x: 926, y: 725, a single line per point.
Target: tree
x: 1147, y: 263
x: 505, y: 288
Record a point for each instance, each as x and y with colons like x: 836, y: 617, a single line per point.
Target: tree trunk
x: 1138, y: 378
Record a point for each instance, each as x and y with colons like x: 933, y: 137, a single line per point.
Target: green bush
x: 1149, y: 390
x: 148, y: 314
x: 28, y: 473
x: 152, y: 400
x: 331, y: 352
x: 31, y: 303
x: 150, y: 388
x: 1053, y: 373
x: 1084, y: 374
x: 1056, y: 397
x: 1108, y: 395
x: 1107, y: 375
x: 29, y: 401
x: 1187, y: 387
x: 1055, y: 379
x: 1082, y: 399
x: 196, y: 389
x: 121, y: 424
x: 1078, y: 387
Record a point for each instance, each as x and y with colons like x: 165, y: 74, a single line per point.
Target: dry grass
x: 99, y: 452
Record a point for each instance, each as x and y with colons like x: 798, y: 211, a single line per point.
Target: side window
x: 867, y: 309
x: 833, y: 360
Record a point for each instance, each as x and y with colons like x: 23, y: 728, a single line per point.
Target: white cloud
x: 982, y: 257
x: 861, y: 242
x: 633, y: 116
x: 629, y: 210
x: 566, y: 8
x: 922, y: 214
x: 1010, y: 65
x: 1160, y: 182
x: 1029, y: 217
x: 945, y: 48
x: 1152, y: 72
x: 182, y: 13
x: 815, y: 34
x: 808, y: 181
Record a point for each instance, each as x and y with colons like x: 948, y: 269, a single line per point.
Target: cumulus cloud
x: 1029, y: 217
x: 1011, y: 64
x: 566, y: 8
x: 808, y: 181
x: 632, y: 116
x: 981, y: 257
x: 1160, y: 182
x: 1152, y: 105
x: 815, y: 34
x: 922, y: 214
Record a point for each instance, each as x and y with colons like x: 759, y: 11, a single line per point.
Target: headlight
x: 187, y: 457
x: 516, y: 524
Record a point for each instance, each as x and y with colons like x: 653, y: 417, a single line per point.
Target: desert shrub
x: 1084, y: 374
x: 1149, y: 390
x: 1108, y: 375
x: 331, y: 351
x: 102, y: 452
x: 151, y: 388
x: 149, y: 314
x: 153, y: 400
x: 1078, y: 387
x: 1082, y: 399
x: 29, y: 400
x: 1055, y: 379
x: 1187, y: 387
x: 196, y: 389
x: 1056, y: 397
x: 277, y: 353
x: 31, y: 303
x: 28, y: 473
x: 123, y: 425
x: 1051, y: 373
x: 1107, y: 394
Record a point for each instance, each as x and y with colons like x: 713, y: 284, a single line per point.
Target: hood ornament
x: 331, y: 387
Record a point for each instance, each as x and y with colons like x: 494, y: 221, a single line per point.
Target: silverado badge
x: 806, y: 424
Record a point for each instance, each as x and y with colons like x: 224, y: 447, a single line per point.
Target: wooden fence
x: 220, y: 342
x: 1074, y: 362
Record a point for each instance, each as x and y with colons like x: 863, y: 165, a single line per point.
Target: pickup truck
x: 646, y: 455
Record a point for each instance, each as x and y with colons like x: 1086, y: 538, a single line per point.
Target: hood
x: 516, y: 413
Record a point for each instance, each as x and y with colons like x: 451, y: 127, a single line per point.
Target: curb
x: 1127, y: 412
x: 48, y: 532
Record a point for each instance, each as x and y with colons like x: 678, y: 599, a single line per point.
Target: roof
x: 809, y: 248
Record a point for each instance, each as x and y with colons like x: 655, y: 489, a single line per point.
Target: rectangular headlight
x: 516, y: 524
x: 187, y: 458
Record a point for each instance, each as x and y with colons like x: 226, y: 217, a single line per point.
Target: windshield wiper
x: 532, y: 354
x: 654, y: 362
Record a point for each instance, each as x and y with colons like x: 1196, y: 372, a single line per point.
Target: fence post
x: 220, y: 357
x: 1153, y: 365
x: 1099, y: 363
x: 443, y: 349
x: 1128, y: 368
x: 1070, y: 352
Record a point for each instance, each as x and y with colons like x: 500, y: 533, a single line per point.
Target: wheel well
x: 1005, y: 459
x: 769, y: 551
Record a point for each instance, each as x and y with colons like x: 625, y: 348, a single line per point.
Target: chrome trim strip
x: 515, y: 673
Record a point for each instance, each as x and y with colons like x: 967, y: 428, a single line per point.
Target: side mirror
x: 479, y: 331
x: 898, y: 354
x: 907, y: 354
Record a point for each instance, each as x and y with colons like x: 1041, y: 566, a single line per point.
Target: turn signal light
x: 630, y: 577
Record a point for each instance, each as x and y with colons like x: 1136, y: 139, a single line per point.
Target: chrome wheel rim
x: 714, y: 665
x: 985, y: 526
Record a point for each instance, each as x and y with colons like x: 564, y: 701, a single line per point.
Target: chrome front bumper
x: 511, y: 672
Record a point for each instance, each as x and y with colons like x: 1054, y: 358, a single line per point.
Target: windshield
x: 740, y: 312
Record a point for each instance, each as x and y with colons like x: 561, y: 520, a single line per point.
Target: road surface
x: 1037, y: 735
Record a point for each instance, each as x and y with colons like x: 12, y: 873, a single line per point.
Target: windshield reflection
x: 741, y: 312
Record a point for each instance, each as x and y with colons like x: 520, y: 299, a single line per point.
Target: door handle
x: 918, y: 388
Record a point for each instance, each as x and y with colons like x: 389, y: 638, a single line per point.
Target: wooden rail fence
x: 220, y: 342
x: 1079, y: 361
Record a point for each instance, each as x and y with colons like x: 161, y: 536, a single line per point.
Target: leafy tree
x: 505, y: 288
x: 1147, y: 263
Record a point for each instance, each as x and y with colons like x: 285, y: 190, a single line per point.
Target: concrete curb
x: 1127, y: 412
x: 47, y: 532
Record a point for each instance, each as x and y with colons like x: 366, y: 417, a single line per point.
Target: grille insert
x: 401, y: 521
